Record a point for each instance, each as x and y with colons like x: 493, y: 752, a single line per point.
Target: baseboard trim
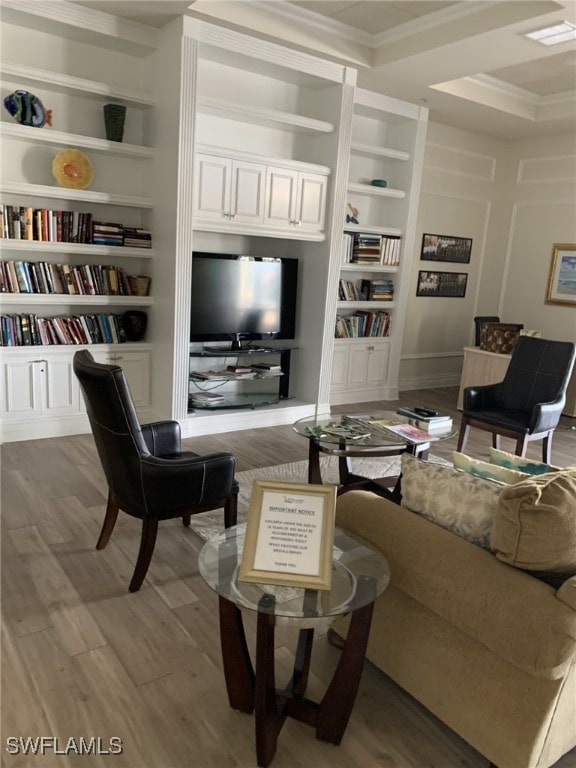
x: 429, y: 382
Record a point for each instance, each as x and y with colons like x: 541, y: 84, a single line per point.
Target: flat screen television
x: 242, y: 298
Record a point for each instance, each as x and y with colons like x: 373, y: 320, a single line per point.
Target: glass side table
x: 322, y: 433
x: 359, y: 575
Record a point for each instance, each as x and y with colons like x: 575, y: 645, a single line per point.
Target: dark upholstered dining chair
x: 528, y: 403
x: 148, y: 474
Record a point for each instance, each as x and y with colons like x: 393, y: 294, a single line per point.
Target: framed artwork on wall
x: 446, y: 284
x: 446, y: 248
x: 562, y: 275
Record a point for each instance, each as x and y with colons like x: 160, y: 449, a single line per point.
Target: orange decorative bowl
x: 72, y: 168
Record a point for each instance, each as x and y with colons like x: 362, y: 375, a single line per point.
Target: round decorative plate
x: 72, y: 168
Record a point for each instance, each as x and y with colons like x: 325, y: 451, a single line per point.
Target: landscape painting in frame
x: 445, y: 284
x: 446, y: 248
x: 562, y: 277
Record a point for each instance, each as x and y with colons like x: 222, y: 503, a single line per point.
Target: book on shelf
x: 266, y: 366
x: 206, y: 397
x: 239, y: 368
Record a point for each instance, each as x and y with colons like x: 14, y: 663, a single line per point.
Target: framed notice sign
x: 289, y: 535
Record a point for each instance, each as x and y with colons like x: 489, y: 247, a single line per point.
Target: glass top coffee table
x: 362, y: 435
x: 359, y: 575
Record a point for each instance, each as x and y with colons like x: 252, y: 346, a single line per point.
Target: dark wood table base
x: 350, y: 481
x: 250, y: 691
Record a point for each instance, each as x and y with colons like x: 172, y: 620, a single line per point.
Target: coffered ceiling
x: 467, y: 60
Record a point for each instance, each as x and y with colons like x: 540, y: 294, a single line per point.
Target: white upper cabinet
x: 295, y: 199
x: 228, y: 190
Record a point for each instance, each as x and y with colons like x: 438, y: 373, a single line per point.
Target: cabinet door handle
x: 371, y: 348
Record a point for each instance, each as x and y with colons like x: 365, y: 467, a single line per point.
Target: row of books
x: 366, y: 290
x: 55, y: 226
x: 46, y: 277
x: 362, y: 324
x: 377, y: 290
x: 371, y: 249
x: 24, y: 330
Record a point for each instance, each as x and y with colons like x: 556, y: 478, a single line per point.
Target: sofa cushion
x: 458, y: 501
x: 519, y: 463
x: 535, y: 524
x: 518, y: 617
x: 486, y: 470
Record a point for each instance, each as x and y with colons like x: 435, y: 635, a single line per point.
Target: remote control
x: 425, y: 412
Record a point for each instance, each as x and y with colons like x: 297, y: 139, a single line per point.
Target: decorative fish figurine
x: 27, y: 109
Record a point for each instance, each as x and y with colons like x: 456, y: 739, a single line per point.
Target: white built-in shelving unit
x: 387, y: 143
x: 39, y: 393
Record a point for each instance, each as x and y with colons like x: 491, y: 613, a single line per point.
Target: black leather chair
x: 148, y: 474
x: 528, y: 404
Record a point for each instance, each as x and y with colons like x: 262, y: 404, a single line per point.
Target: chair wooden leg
x: 521, y: 445
x: 109, y: 523
x: 186, y: 519
x: 463, y: 435
x: 547, y: 448
x: 147, y: 542
x: 231, y: 510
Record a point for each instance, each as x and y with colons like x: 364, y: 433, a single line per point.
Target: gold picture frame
x: 289, y: 535
x: 562, y: 277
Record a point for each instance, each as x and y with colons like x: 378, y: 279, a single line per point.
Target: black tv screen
x: 242, y: 298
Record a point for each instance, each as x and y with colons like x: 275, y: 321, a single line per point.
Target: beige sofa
x: 486, y: 647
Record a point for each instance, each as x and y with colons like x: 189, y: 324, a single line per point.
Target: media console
x: 219, y: 389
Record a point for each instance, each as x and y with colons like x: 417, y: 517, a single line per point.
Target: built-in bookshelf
x: 45, y: 318
x: 382, y: 191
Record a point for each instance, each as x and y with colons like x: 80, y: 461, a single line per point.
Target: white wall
x: 515, y: 201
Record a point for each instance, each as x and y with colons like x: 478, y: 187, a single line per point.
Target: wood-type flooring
x: 84, y: 658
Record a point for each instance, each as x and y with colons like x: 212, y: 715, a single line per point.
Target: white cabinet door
x: 340, y: 368
x: 247, y: 192
x: 136, y: 367
x: 212, y: 187
x: 311, y: 203
x: 39, y: 386
x: 21, y: 388
x: 358, y: 368
x: 377, y: 370
x: 281, y: 196
x: 62, y: 394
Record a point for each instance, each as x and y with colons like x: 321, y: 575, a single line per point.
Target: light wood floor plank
x: 77, y: 631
